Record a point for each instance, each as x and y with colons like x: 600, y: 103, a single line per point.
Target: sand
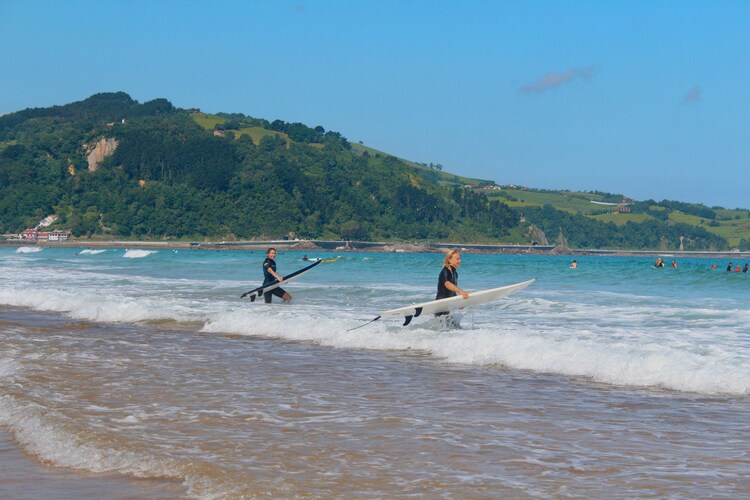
x: 23, y: 477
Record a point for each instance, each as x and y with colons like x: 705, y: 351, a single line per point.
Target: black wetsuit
x: 269, y: 278
x: 447, y: 274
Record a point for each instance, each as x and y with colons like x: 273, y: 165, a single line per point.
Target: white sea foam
x: 29, y: 249
x: 88, y: 251
x: 53, y: 438
x: 635, y: 361
x: 651, y: 335
x: 92, y: 306
x: 137, y: 254
x: 44, y: 433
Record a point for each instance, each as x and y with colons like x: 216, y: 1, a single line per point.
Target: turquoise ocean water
x: 613, y: 379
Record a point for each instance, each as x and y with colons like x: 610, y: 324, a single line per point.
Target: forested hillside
x: 171, y: 178
x: 180, y: 174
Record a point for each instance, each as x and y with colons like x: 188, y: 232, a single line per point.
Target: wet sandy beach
x: 24, y: 477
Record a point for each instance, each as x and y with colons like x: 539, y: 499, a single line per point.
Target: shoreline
x: 381, y: 247
x: 25, y: 476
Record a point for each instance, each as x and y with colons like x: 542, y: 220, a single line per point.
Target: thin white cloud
x: 553, y: 79
x: 693, y: 95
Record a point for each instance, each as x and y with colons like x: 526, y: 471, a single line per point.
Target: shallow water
x: 612, y: 379
x: 23, y: 478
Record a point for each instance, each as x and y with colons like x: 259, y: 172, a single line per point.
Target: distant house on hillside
x: 29, y: 234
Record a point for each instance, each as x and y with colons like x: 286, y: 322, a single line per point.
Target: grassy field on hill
x: 208, y: 122
x: 569, y: 201
x: 622, y: 219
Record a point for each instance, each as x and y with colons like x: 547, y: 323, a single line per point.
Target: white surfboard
x: 451, y: 303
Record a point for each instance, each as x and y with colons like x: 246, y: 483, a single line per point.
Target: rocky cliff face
x: 96, y: 153
x: 537, y: 235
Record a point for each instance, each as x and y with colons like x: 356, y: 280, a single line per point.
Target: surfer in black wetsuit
x: 448, y: 279
x: 270, y: 275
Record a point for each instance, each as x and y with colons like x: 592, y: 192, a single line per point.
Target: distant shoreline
x: 382, y: 247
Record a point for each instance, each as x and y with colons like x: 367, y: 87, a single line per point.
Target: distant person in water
x: 270, y: 275
x: 305, y: 257
x: 448, y: 279
x: 737, y: 269
x: 574, y: 265
x: 714, y: 266
x: 659, y: 262
x: 745, y: 269
x: 729, y: 267
x: 674, y: 264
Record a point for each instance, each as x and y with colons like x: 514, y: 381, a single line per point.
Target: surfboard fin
x: 252, y: 298
x: 407, y: 319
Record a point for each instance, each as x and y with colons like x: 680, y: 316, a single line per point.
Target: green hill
x: 109, y: 166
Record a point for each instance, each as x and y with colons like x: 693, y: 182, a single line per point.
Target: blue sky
x: 645, y: 98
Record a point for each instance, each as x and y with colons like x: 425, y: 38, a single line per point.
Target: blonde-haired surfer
x: 448, y: 278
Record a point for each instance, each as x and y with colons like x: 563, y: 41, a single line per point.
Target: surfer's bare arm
x: 453, y: 288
